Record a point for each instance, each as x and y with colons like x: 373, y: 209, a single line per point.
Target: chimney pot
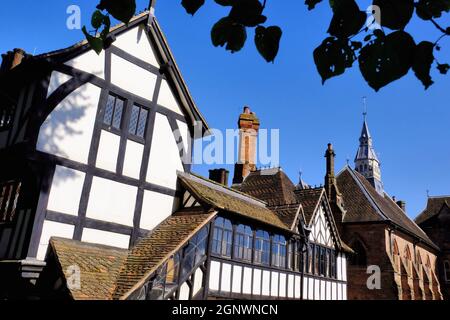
x: 402, y: 205
x: 12, y: 59
x: 247, y: 110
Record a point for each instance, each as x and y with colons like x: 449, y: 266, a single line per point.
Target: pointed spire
x: 366, y: 159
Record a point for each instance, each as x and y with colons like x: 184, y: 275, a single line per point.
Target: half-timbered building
x: 90, y: 145
x: 98, y: 200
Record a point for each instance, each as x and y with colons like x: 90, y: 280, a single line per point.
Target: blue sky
x: 410, y: 126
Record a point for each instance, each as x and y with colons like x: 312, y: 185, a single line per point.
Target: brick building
x: 435, y: 221
x: 377, y: 228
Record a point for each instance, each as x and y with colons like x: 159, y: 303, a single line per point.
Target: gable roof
x: 434, y: 206
x: 111, y: 273
x: 270, y: 185
x: 99, y: 267
x: 42, y: 63
x: 364, y: 204
x: 310, y: 199
x: 223, y: 198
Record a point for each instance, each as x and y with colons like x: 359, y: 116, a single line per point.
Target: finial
x: 428, y: 193
x: 348, y: 161
x: 365, y: 107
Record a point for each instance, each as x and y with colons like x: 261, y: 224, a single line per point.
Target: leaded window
x: 9, y: 196
x: 138, y: 121
x: 243, y: 243
x: 262, y: 247
x: 222, y: 238
x: 113, y: 112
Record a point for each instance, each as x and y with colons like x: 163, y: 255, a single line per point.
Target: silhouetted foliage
x: 383, y: 56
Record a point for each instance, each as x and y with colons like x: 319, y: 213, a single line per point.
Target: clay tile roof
x: 287, y: 213
x: 99, y: 266
x: 227, y: 199
x: 363, y: 203
x: 309, y: 198
x: 168, y: 237
x: 434, y: 206
x: 271, y: 185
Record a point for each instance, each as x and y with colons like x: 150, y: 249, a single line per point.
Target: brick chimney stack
x: 12, y: 59
x: 248, y: 125
x: 219, y: 176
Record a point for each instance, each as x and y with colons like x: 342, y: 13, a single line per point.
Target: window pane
x: 133, y: 119
x: 109, y: 109
x: 117, y: 118
x: 142, y: 123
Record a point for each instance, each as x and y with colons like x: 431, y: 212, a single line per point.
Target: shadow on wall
x: 67, y: 131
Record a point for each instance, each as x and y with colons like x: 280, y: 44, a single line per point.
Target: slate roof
x: 110, y: 273
x: 364, y: 204
x: 434, y: 206
x: 270, y: 185
x: 99, y: 267
x: 309, y: 198
x: 230, y: 200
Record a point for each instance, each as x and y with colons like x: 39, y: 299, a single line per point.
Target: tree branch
x: 439, y: 27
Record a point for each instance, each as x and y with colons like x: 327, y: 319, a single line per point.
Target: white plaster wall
x: 133, y: 159
x: 105, y: 237
x: 339, y: 291
x: 185, y: 135
x: 164, y: 155
x: 137, y: 43
x: 257, y: 274
x: 56, y: 80
x: 66, y: 182
x: 90, y: 62
x: 132, y: 78
x: 184, y: 291
x: 344, y: 267
x: 266, y: 283
x: 156, y: 207
x: 328, y: 296
x: 111, y: 201
x: 282, y: 280
x: 53, y: 229
x: 344, y: 292
x: 198, y: 281
x: 339, y: 267
x: 291, y: 286
x: 316, y: 289
x: 237, y: 279
x: 298, y: 286
x: 214, y: 275
x: 67, y: 131
x: 322, y: 290
x: 310, y: 288
x: 226, y: 277
x: 167, y: 99
x: 274, y: 284
x: 108, y: 150
x: 247, y: 285
x: 333, y: 291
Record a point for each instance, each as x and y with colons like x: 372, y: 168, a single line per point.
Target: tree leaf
x: 95, y: 43
x: 267, y: 41
x: 228, y: 32
x: 122, y: 10
x: 332, y: 57
x: 443, y: 68
x: 347, y: 19
x: 312, y: 3
x: 247, y: 12
x: 395, y: 14
x: 386, y: 59
x: 427, y: 9
x: 192, y: 6
x: 423, y: 58
x: 97, y: 19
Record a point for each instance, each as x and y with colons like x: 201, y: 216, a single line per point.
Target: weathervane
x: 365, y: 107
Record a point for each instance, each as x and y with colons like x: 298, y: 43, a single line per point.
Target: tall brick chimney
x: 329, y: 176
x: 248, y: 125
x: 12, y: 59
x: 219, y: 176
